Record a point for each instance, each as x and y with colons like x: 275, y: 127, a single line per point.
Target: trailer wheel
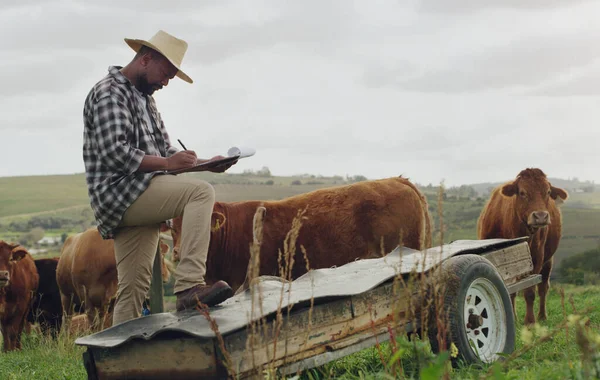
x: 476, y: 309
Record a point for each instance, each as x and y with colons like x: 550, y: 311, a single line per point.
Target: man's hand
x: 182, y: 160
x: 221, y: 168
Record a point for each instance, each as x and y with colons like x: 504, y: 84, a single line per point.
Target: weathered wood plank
x: 180, y: 358
x: 512, y: 262
x: 334, y: 326
x: 270, y: 343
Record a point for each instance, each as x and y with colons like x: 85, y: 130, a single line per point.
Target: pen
x: 184, y: 148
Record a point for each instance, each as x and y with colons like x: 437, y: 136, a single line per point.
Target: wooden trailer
x: 326, y: 314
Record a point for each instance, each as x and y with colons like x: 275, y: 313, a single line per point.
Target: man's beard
x: 145, y: 87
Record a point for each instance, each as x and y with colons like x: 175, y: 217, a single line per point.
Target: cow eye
x: 522, y: 194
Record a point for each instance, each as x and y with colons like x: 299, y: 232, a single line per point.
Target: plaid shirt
x: 115, y: 140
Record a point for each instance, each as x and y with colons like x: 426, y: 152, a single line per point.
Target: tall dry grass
x: 415, y: 283
x: 411, y: 327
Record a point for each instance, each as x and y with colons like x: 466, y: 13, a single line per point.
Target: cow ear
x: 509, y: 189
x: 556, y: 192
x: 217, y: 221
x: 18, y: 253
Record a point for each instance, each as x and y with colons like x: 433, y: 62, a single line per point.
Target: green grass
x: 65, y: 196
x: 44, y: 359
x: 555, y: 359
x: 32, y: 195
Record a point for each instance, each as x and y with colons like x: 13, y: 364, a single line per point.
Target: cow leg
x: 9, y: 333
x: 543, y: 288
x: 90, y: 312
x: 19, y: 332
x: 529, y: 295
x: 5, y: 342
x: 101, y: 317
x: 97, y: 303
x: 67, y: 306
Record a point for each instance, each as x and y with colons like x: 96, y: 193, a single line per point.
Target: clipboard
x: 206, y: 165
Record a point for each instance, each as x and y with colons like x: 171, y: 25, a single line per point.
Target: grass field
x: 32, y: 195
x: 65, y: 196
x: 557, y: 358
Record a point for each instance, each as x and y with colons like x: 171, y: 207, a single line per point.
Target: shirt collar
x: 115, y: 71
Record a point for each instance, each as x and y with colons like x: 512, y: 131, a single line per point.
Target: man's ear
x: 145, y: 59
x: 217, y: 221
x: 509, y: 189
x: 18, y: 253
x: 556, y: 192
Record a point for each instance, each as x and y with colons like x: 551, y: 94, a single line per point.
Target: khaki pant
x: 136, y: 239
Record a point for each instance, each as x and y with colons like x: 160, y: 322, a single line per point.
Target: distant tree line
x: 264, y: 172
x: 582, y: 268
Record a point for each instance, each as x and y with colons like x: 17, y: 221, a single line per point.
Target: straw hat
x: 171, y: 47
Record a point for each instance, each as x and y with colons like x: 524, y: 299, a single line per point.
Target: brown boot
x: 207, y: 294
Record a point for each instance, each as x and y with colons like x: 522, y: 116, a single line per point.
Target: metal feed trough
x: 353, y: 306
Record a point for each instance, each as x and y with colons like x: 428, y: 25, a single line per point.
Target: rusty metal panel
x: 321, y: 285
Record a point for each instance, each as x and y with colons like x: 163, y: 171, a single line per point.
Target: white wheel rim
x: 483, y: 299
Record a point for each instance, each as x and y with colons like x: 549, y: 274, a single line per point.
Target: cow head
x: 217, y: 221
x: 533, y: 193
x: 9, y: 254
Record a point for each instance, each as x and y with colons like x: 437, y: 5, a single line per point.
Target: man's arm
x: 180, y: 160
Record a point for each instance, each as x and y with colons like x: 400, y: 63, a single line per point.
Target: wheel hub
x: 475, y: 321
x: 485, y: 319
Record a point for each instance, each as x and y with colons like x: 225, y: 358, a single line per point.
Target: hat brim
x: 137, y: 44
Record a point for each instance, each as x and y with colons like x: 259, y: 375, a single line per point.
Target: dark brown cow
x: 18, y: 283
x: 87, y: 274
x: 340, y: 224
x: 527, y: 206
x: 46, y: 309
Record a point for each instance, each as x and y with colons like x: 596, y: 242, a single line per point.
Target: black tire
x: 473, y: 277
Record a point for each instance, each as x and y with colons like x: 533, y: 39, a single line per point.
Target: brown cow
x: 87, y: 274
x: 18, y: 282
x: 340, y: 224
x: 527, y: 206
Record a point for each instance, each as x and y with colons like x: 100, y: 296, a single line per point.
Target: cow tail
x: 427, y: 226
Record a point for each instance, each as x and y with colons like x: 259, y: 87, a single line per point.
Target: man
x: 126, y: 151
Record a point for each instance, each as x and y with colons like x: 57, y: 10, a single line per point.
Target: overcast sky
x: 463, y: 91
